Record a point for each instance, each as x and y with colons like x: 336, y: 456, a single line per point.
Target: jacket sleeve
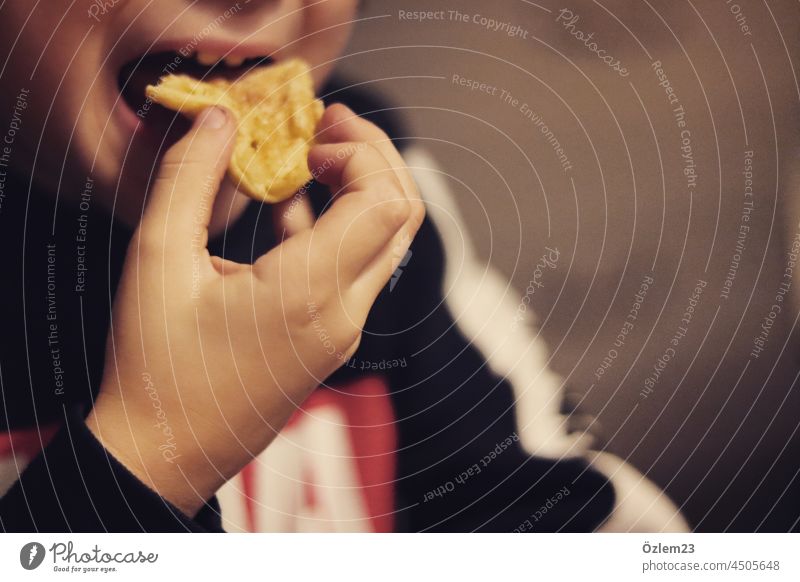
x: 482, y: 443
x: 76, y: 485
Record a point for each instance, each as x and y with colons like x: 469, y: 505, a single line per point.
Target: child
x: 133, y: 418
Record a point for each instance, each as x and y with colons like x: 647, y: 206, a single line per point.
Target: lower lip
x: 158, y: 133
x: 129, y: 117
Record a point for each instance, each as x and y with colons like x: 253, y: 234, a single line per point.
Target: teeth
x: 206, y: 59
x: 209, y: 59
x: 232, y: 61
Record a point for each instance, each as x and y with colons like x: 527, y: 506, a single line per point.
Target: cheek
x: 326, y: 28
x: 330, y: 12
x: 59, y: 65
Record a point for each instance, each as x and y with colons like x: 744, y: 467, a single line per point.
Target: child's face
x: 75, y: 57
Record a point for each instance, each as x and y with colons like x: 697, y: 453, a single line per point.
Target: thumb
x: 189, y: 176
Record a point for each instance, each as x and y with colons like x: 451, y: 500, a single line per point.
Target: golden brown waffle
x: 277, y: 114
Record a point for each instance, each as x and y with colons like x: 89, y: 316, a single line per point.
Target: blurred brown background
x: 719, y: 428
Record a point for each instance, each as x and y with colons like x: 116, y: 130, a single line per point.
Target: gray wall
x: 718, y: 429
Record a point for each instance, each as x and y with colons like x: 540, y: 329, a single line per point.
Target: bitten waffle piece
x: 277, y: 114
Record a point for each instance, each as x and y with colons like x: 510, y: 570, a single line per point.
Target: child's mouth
x: 134, y: 77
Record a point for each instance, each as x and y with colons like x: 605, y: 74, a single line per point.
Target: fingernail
x: 213, y: 118
x: 341, y: 111
x: 347, y: 111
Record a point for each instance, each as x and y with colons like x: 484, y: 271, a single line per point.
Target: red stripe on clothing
x: 248, y: 490
x: 28, y: 442
x: 367, y: 407
x: 309, y: 490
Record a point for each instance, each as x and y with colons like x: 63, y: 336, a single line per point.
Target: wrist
x: 138, y: 440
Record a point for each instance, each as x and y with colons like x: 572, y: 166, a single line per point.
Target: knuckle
x: 389, y: 187
x: 316, y: 155
x: 265, y: 272
x: 323, y: 301
x: 372, y: 130
x: 349, y: 335
x: 335, y: 112
x: 372, y: 148
x: 174, y: 158
x: 394, y: 210
x: 325, y: 327
x: 358, y: 153
x: 418, y: 213
x: 349, y: 352
x: 347, y: 161
x: 174, y: 168
x: 352, y: 151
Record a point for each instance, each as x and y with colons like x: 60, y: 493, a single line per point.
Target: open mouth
x: 137, y: 74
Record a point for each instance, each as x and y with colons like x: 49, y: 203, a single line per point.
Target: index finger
x: 341, y: 124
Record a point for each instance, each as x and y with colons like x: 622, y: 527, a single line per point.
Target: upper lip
x: 187, y: 47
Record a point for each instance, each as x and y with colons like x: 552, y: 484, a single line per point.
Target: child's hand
x: 207, y: 359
